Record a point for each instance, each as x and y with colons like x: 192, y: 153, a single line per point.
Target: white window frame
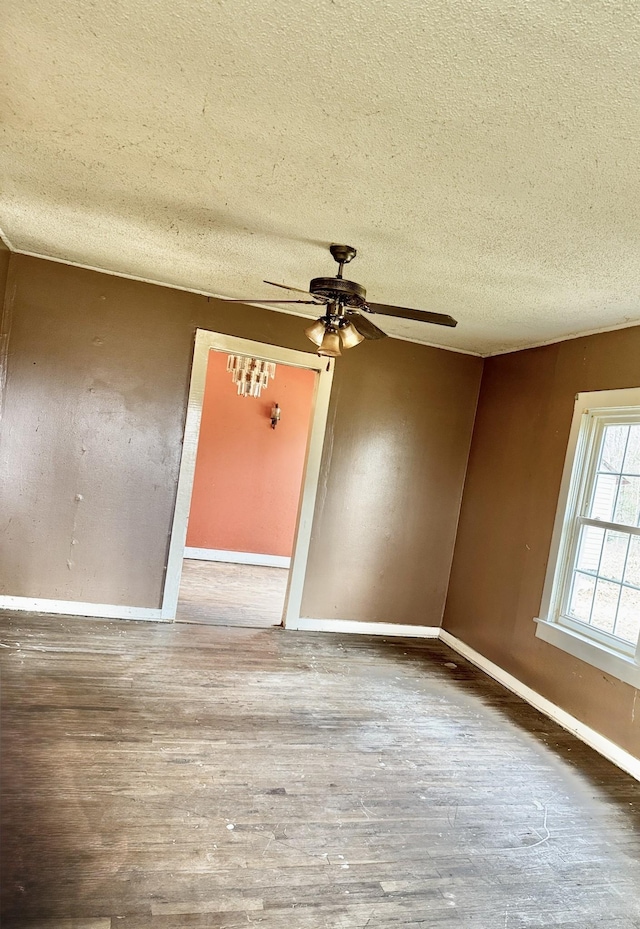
x: 593, y: 411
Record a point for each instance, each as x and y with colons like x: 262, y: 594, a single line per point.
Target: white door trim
x: 205, y: 342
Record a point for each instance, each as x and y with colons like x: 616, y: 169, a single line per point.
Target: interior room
x: 246, y: 491
x: 317, y: 611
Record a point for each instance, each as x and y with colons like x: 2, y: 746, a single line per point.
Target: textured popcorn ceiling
x: 481, y: 154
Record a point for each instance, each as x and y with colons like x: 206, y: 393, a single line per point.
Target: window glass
x: 628, y: 621
x: 591, y: 602
x: 581, y: 600
x: 605, y: 495
x: 613, y: 449
x: 632, y: 570
x: 605, y: 583
x: 632, y: 456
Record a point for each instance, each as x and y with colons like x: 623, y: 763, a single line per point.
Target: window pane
x: 613, y: 448
x: 603, y: 582
x: 614, y: 555
x: 628, y: 625
x: 628, y: 503
x: 632, y: 457
x: 590, y: 548
x: 581, y: 596
x: 605, y: 606
x: 632, y: 573
x: 604, y: 497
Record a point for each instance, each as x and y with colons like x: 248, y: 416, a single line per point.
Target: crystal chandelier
x: 250, y: 374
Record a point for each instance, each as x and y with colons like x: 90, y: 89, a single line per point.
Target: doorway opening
x: 246, y: 491
x: 247, y: 485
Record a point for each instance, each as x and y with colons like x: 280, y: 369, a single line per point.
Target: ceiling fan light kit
x: 350, y: 336
x: 345, y: 302
x: 330, y: 345
x: 316, y: 332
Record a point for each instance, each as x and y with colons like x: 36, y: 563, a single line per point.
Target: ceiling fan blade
x: 262, y: 300
x: 424, y: 316
x: 286, y: 287
x: 365, y: 327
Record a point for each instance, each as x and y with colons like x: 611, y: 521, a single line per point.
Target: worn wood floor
x: 220, y: 594
x: 161, y: 777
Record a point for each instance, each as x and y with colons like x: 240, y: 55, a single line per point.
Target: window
x: 591, y: 603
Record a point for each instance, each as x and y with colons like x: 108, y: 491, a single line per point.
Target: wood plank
x: 222, y: 594
x: 171, y: 776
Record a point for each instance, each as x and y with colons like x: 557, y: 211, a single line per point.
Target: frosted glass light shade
x: 350, y: 336
x: 316, y: 332
x: 330, y: 343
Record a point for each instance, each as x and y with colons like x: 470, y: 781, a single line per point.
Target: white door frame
x: 205, y: 342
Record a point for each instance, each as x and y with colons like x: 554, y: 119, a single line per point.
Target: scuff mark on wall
x: 77, y: 500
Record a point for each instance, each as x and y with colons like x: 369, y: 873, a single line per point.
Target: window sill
x: 599, y: 656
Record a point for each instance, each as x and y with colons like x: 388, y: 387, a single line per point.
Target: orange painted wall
x: 248, y: 475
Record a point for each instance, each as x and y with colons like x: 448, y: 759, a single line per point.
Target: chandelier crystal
x: 250, y: 374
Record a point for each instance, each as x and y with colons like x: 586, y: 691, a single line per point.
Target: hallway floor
x: 219, y: 594
x: 188, y: 777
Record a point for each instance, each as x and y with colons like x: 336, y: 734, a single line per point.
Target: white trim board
x: 77, y: 608
x: 218, y: 554
x: 493, y: 353
x: 599, y: 743
x: 612, y: 752
x: 353, y: 626
x: 598, y: 655
x: 216, y: 296
x: 525, y: 346
x: 205, y: 342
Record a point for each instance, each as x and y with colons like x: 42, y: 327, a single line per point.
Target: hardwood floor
x: 221, y: 594
x: 174, y: 776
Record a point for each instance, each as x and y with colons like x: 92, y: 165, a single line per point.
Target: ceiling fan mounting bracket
x: 343, y: 254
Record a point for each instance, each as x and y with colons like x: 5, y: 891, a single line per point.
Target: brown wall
x: 91, y: 438
x: 511, y: 492
x: 4, y: 270
x: 400, y: 425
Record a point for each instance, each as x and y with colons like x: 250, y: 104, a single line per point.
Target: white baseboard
x: 218, y: 554
x: 614, y: 753
x: 353, y: 626
x: 594, y: 739
x: 77, y: 608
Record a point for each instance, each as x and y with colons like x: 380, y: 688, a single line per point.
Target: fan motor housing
x: 349, y: 293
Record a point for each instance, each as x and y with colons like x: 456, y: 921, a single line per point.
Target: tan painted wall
x: 5, y: 256
x: 90, y: 447
x: 400, y: 425
x: 515, y: 467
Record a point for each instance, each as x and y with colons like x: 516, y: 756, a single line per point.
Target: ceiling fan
x: 345, y: 302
